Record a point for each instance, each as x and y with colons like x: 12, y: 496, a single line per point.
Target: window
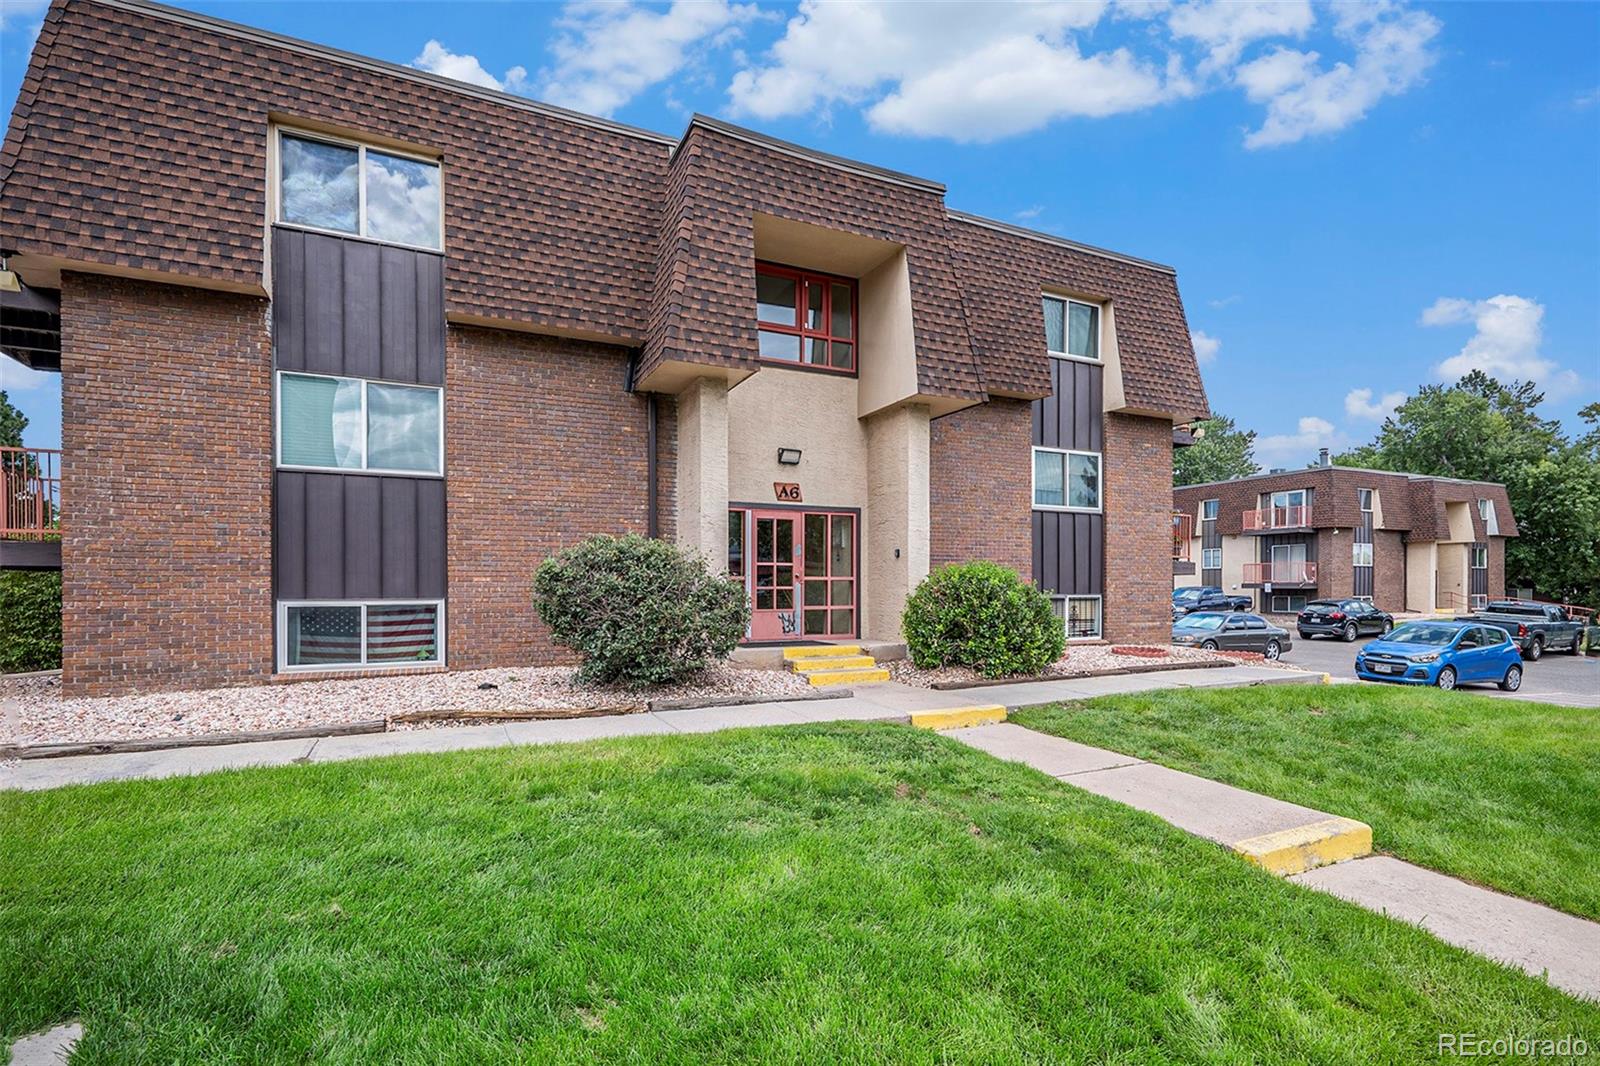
x: 1211, y: 558
x: 736, y: 545
x: 1066, y: 480
x: 345, y: 187
x: 1365, y: 495
x: 1292, y: 498
x: 1080, y: 615
x: 1477, y: 602
x: 1480, y: 557
x: 1285, y: 604
x: 806, y: 319
x: 1361, y: 554
x: 329, y: 423
x: 1071, y: 328
x: 331, y: 635
x: 1490, y: 521
x: 1208, y: 510
x: 1483, y: 510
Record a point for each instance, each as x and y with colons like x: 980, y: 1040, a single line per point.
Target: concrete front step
x: 847, y: 677
x: 839, y: 662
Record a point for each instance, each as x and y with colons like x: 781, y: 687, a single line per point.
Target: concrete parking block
x: 1306, y: 847
x: 958, y: 717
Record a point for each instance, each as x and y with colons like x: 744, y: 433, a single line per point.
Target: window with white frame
x: 1080, y: 616
x: 1361, y: 554
x: 1365, y: 496
x: 1483, y: 509
x: 1480, y: 557
x: 343, y: 635
x: 1211, y: 558
x: 1066, y: 480
x: 1285, y: 604
x: 1071, y: 328
x: 1208, y: 510
x: 334, y: 423
x: 339, y: 186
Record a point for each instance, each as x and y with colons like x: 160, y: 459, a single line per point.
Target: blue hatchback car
x: 1442, y: 653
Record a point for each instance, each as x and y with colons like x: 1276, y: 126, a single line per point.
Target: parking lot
x: 1556, y: 678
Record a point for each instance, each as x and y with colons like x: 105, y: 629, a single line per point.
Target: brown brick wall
x: 1138, y: 513
x: 980, y: 486
x: 1336, y: 577
x: 167, y: 475
x: 543, y: 448
x: 1497, y: 567
x: 1388, y: 571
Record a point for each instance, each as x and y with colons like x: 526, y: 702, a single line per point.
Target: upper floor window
x: 1071, y: 328
x: 1480, y: 557
x: 1066, y: 480
x: 1208, y: 510
x: 806, y: 319
x: 1365, y: 496
x: 1291, y: 498
x: 329, y: 423
x: 345, y: 187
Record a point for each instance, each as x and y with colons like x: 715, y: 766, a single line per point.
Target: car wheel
x: 1388, y: 624
x: 1209, y: 645
x: 1576, y: 647
x: 1349, y: 632
x: 1535, y: 650
x: 1303, y: 634
x: 1446, y: 679
x: 1274, y: 649
x: 1513, y: 679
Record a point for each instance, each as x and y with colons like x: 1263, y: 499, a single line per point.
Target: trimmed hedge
x: 30, y: 621
x: 981, y: 615
x: 639, y: 611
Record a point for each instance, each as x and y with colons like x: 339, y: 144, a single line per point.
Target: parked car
x: 1535, y: 627
x: 1345, y: 619
x: 1443, y: 653
x: 1231, y: 630
x: 1193, y: 598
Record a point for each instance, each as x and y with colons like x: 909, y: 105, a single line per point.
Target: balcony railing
x: 30, y: 493
x: 1281, y: 573
x: 1277, y: 518
x: 1182, y: 534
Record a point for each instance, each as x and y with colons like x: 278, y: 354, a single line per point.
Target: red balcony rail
x: 1182, y: 534
x: 1278, y: 518
x: 30, y: 493
x: 1280, y: 573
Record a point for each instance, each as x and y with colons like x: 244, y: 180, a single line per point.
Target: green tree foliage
x: 1222, y: 453
x: 984, y: 616
x: 1481, y: 430
x: 12, y: 423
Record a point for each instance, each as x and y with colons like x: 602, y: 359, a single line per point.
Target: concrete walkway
x: 1320, y: 851
x: 881, y: 702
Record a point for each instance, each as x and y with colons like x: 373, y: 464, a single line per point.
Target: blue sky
x: 1356, y: 197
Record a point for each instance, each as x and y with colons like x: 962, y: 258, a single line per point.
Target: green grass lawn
x: 1502, y: 792
x: 862, y: 893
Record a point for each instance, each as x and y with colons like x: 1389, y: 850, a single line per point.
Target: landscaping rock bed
x: 1079, y: 660
x: 33, y: 711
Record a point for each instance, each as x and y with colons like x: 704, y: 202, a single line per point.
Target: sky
x: 1359, y: 199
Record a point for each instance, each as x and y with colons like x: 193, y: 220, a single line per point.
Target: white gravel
x: 36, y: 713
x: 1076, y: 661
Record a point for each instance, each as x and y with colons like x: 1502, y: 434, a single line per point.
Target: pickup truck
x: 1535, y: 628
x: 1205, y: 598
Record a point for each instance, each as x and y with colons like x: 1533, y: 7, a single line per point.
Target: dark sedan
x: 1232, y: 631
x: 1345, y: 619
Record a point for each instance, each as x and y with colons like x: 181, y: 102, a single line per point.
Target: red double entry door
x: 801, y: 571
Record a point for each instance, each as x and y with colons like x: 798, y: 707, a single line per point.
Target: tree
x: 12, y: 422
x: 1223, y: 452
x: 1481, y: 430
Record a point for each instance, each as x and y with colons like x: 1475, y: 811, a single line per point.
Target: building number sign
x: 787, y: 491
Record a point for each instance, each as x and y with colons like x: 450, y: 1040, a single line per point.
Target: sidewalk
x: 887, y: 701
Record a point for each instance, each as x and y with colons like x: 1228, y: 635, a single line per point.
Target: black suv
x: 1347, y: 619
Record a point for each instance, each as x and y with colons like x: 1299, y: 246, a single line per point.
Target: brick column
x: 1138, y: 515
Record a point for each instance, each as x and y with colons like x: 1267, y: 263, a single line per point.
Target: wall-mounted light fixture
x: 789, y: 456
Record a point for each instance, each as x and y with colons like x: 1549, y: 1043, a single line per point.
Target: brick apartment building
x: 1404, y: 541
x: 348, y: 348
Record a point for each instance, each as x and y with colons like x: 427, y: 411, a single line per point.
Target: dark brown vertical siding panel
x: 1097, y: 404
x: 361, y: 310
x: 431, y: 544
x: 289, y: 299
x: 289, y: 536
x: 397, y: 271
x: 324, y: 537
x: 1082, y: 416
x: 1082, y: 539
x: 1097, y: 569
x: 324, y: 322
x: 1037, y: 522
x: 363, y: 540
x: 430, y: 319
x: 399, y: 521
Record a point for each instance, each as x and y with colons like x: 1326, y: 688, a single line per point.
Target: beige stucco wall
x: 1422, y: 560
x: 895, y: 545
x: 1236, y: 551
x: 1460, y: 515
x: 815, y: 412
x: 1453, y: 574
x: 889, y: 376
x: 703, y: 469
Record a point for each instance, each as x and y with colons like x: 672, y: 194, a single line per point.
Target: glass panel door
x: 775, y: 574
x: 1288, y: 564
x: 829, y: 608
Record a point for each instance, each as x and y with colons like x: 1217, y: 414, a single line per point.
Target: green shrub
x: 984, y: 616
x: 639, y: 611
x: 30, y: 621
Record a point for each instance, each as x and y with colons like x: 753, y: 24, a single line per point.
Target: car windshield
x: 1424, y: 633
x: 1185, y: 595
x: 1201, y: 621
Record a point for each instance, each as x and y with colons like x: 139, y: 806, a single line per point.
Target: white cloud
x: 437, y: 59
x: 1299, y: 448
x: 608, y: 53
x: 1206, y: 346
x: 1506, y: 342
x: 14, y: 13
x: 1358, y: 403
x: 1225, y: 301
x: 1393, y: 54
x: 14, y: 377
x: 1226, y: 27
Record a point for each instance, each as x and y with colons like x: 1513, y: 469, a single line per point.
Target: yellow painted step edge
x: 958, y: 717
x: 1306, y: 847
x: 821, y: 651
x: 844, y: 662
x: 846, y: 677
